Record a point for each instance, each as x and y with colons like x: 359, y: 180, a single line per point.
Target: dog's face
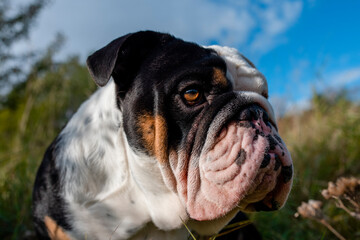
x: 217, y: 148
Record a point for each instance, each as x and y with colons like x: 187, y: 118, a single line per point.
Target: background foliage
x: 324, y: 141
x: 15, y: 24
x: 325, y: 144
x: 34, y: 113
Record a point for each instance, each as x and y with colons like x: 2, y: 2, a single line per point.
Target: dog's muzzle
x: 243, y: 162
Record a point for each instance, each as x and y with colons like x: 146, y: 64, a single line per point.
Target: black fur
x: 47, y: 198
x: 245, y: 233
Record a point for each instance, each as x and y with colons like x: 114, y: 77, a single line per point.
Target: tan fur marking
x: 219, y: 77
x: 161, y: 138
x: 54, y: 230
x: 154, y: 134
x: 147, y: 128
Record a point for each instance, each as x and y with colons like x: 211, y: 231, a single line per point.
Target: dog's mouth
x: 249, y: 161
x: 243, y: 164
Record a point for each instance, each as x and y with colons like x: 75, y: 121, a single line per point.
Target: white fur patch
x: 241, y: 72
x: 110, y: 190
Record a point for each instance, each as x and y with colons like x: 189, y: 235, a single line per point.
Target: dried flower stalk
x: 312, y: 210
x: 345, y: 188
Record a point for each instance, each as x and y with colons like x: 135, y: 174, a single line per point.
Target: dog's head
x: 217, y: 148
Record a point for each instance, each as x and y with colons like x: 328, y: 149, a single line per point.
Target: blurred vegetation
x: 15, y: 24
x: 324, y: 142
x: 31, y: 115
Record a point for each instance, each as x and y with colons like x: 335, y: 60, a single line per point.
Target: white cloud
x: 345, y: 77
x: 274, y: 20
x: 89, y: 24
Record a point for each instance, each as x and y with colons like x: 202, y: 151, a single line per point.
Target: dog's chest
x: 103, y: 198
x: 123, y: 215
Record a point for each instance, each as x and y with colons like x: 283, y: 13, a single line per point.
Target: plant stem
x: 338, y: 235
x: 355, y: 204
x: 341, y: 205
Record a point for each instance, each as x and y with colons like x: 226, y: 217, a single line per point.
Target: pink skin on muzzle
x: 247, y: 166
x: 239, y: 171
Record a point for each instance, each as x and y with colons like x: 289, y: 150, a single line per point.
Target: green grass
x: 324, y: 143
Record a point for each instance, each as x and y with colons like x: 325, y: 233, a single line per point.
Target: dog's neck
x: 109, y: 186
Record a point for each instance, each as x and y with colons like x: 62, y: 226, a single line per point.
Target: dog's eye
x: 192, y: 96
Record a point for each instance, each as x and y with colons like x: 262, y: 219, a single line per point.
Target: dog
x: 178, y: 138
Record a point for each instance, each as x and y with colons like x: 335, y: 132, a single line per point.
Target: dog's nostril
x: 250, y: 113
x: 246, y: 115
x: 255, y: 113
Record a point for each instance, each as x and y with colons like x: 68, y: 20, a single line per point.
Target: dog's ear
x: 123, y: 57
x: 101, y: 63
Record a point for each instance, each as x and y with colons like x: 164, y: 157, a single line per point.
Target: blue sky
x: 298, y: 44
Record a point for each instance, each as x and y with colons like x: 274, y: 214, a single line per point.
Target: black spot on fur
x: 245, y: 124
x: 241, y: 157
x: 272, y: 142
x: 132, y: 231
x: 278, y: 138
x: 287, y: 173
x: 267, y: 149
x: 265, y: 161
x: 111, y: 217
x: 277, y: 162
x: 87, y: 120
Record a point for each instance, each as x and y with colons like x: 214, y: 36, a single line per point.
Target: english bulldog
x: 178, y: 138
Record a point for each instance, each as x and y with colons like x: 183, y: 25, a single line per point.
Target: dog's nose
x: 252, y: 98
x: 253, y: 112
